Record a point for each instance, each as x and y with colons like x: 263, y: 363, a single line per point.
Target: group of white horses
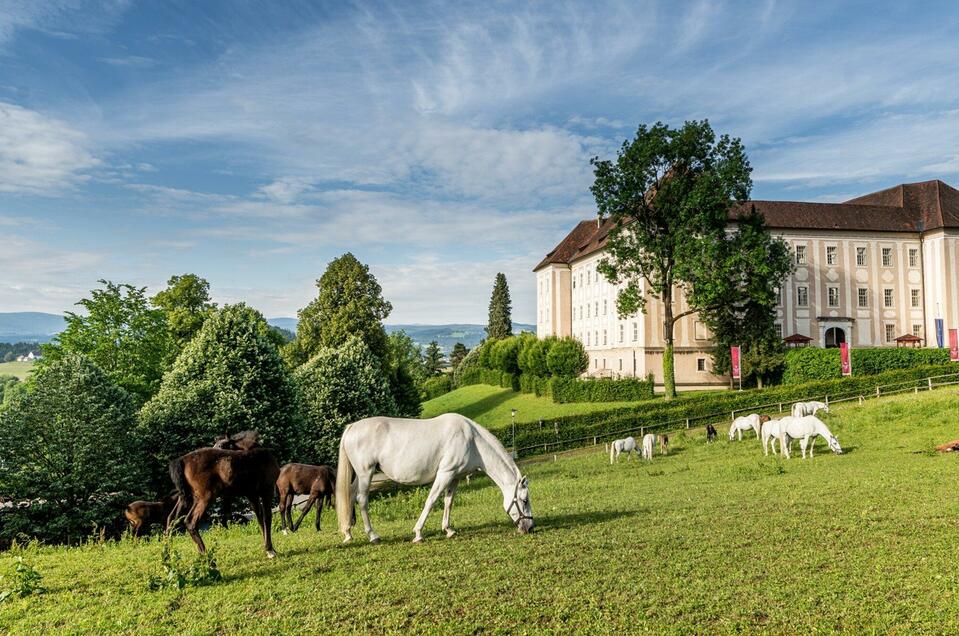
x: 801, y: 424
x: 628, y: 445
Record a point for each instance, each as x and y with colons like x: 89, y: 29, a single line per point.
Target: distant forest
x: 9, y: 351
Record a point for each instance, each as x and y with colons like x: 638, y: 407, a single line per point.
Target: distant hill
x: 29, y: 326
x: 445, y: 335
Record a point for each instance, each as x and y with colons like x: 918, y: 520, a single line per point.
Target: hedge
x: 435, y: 387
x: 702, y: 408
x: 574, y: 390
x: 810, y: 363
x: 491, y: 377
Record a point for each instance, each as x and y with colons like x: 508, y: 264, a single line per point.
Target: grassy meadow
x: 709, y: 539
x: 18, y: 369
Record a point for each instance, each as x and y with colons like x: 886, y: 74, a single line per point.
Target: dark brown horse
x: 240, y: 467
x: 301, y: 479
x: 143, y: 514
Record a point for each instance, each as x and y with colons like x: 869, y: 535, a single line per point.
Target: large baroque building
x: 867, y: 271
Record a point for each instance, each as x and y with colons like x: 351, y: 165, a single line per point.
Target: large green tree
x: 669, y: 193
x: 186, y: 303
x: 229, y: 378
x: 433, y: 358
x: 71, y: 442
x: 500, y: 322
x: 121, y: 333
x: 457, y: 354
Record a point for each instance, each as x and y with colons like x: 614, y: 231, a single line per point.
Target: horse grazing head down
x: 243, y: 441
x: 834, y: 444
x: 519, y: 508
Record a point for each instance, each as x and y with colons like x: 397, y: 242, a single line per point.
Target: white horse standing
x: 805, y: 429
x: 802, y: 409
x: 747, y: 422
x: 770, y: 433
x: 417, y: 452
x: 627, y: 446
x: 649, y: 442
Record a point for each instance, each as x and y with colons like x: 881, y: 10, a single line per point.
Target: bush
x: 229, y: 378
x: 535, y: 384
x: 338, y: 387
x: 576, y: 390
x: 567, y: 358
x: 435, y: 387
x: 807, y: 364
x: 467, y: 368
x: 503, y: 355
x: 533, y: 356
x: 68, y: 446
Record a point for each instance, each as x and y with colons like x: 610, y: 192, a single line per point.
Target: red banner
x: 737, y: 368
x: 844, y: 358
x: 954, y: 345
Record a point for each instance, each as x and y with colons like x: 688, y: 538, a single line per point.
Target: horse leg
x: 200, y: 505
x: 447, y: 507
x: 802, y: 444
x: 306, y: 509
x: 441, y: 483
x: 282, y: 492
x: 319, y: 509
x: 363, y: 499
x: 266, y: 505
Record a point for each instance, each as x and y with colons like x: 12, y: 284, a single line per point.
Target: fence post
x: 930, y: 383
x: 860, y: 400
x: 687, y: 422
x: 877, y: 391
x: 917, y: 388
x: 827, y: 400
x: 780, y: 407
x: 732, y: 416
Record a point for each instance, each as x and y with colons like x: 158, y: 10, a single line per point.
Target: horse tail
x: 344, y: 489
x: 180, y: 485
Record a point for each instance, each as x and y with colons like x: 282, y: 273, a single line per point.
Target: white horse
x: 417, y: 452
x: 747, y: 422
x: 805, y: 429
x: 801, y: 409
x: 627, y: 446
x: 770, y: 433
x: 649, y: 442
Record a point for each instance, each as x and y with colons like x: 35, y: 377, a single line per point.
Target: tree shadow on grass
x: 490, y: 402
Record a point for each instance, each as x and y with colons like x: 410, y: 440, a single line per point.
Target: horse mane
x: 494, y: 441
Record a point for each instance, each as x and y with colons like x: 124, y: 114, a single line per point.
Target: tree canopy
x: 457, y: 354
x: 186, y: 303
x: 500, y: 324
x: 433, y: 358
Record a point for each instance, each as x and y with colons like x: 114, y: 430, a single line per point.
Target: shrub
x: 535, y: 384
x: 534, y: 356
x: 435, y: 387
x: 69, y: 447
x: 338, y: 387
x: 807, y: 364
x: 467, y: 368
x: 503, y: 355
x: 567, y: 358
x: 576, y: 390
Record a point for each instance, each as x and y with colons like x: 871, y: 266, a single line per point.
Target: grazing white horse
x: 801, y: 409
x: 805, y: 429
x: 417, y: 452
x: 770, y: 433
x: 747, y: 422
x: 649, y: 442
x: 627, y: 446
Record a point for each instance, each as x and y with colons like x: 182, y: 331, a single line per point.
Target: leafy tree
x: 186, y: 303
x: 457, y: 354
x: 500, y: 323
x: 406, y: 374
x: 669, y: 193
x: 350, y: 303
x: 471, y: 361
x: 567, y: 358
x: 532, y: 358
x: 229, y: 378
x: 9, y: 356
x: 433, y: 359
x: 404, y: 352
x: 338, y: 387
x: 70, y: 441
x: 7, y: 383
x: 121, y: 334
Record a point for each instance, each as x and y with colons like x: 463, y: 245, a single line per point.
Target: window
x: 779, y: 330
x: 597, y: 309
x: 913, y: 257
x: 604, y: 308
x: 833, y: 296
x: 887, y: 298
x: 622, y: 333
x: 890, y: 333
x: 863, y: 297
x: 596, y: 363
x: 574, y: 282
x: 604, y: 341
x: 887, y: 257
x: 800, y: 255
x: 620, y: 364
x: 587, y: 310
x: 581, y: 280
x: 587, y: 340
x: 700, y: 364
x: 802, y: 296
x: 914, y: 297
x: 635, y: 331
x: 831, y: 255
x: 779, y: 295
x: 597, y: 280
x: 917, y: 330
x: 861, y: 256
x: 596, y: 338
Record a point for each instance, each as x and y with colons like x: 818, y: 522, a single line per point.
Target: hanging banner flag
x: 954, y: 345
x: 844, y: 358
x: 939, y: 334
x: 737, y: 368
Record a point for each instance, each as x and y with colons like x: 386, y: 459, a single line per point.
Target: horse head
x: 519, y: 508
x: 243, y: 441
x: 834, y: 445
x: 763, y: 419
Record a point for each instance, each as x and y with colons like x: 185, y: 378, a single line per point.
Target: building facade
x: 869, y: 270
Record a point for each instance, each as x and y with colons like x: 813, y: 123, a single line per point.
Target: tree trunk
x: 669, y: 372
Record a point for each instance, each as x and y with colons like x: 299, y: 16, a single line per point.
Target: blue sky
x: 251, y: 142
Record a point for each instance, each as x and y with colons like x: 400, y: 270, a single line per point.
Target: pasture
x: 18, y: 369
x: 708, y: 539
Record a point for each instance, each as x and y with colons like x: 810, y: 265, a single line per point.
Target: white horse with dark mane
x: 418, y: 452
x: 620, y: 446
x: 751, y: 422
x: 770, y: 433
x: 649, y: 443
x: 806, y: 429
x: 802, y: 409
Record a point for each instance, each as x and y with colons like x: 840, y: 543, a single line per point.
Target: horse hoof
x: 450, y: 533
x: 271, y: 554
x: 417, y: 539
x: 374, y: 539
x: 285, y: 533
x: 347, y: 538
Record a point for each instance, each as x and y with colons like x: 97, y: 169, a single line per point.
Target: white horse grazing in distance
x: 770, y: 433
x: 417, y: 452
x: 747, y: 422
x: 802, y: 409
x: 649, y: 442
x: 805, y: 429
x: 627, y: 446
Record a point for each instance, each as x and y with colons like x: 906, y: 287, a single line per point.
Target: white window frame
x: 890, y: 333
x: 701, y: 365
x: 886, y: 257
x: 832, y: 255
x: 862, y: 296
x: 915, y: 298
x: 802, y: 296
x: 888, y: 297
x: 861, y: 256
x: 913, y: 257
x: 800, y: 255
x: 833, y: 298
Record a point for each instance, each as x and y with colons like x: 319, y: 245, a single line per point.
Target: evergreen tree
x: 433, y: 358
x: 500, y: 324
x: 459, y: 352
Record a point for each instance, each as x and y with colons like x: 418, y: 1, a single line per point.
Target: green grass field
x: 709, y: 539
x: 18, y: 369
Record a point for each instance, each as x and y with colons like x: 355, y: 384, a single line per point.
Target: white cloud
x: 39, y: 278
x: 58, y: 17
